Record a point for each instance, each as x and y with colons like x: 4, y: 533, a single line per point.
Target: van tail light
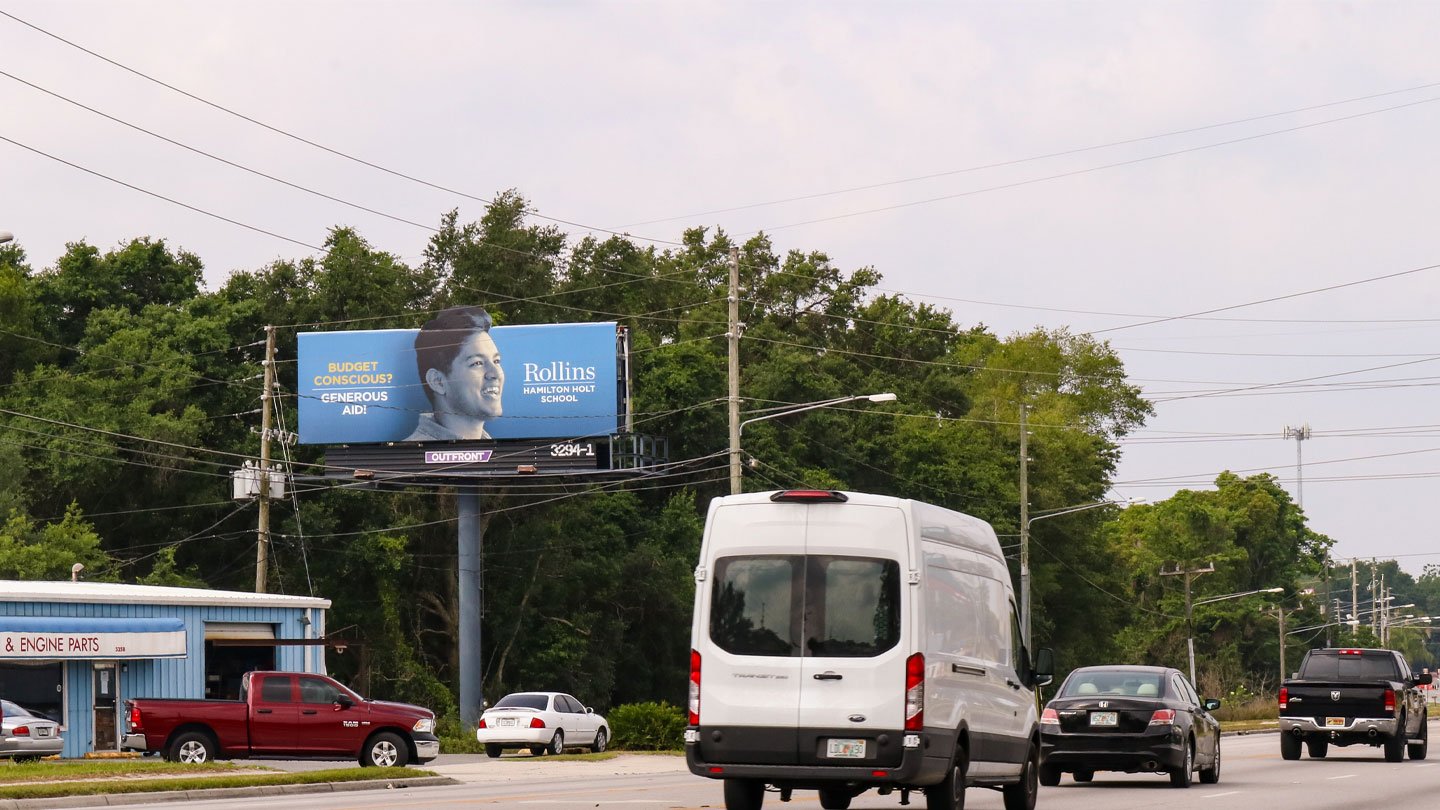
x: 694, y: 688
x: 536, y: 722
x: 1049, y: 718
x: 1163, y: 717
x: 1284, y: 698
x: 809, y: 496
x: 21, y: 731
x: 915, y: 692
x: 1390, y: 700
x: 135, y: 720
x: 482, y: 723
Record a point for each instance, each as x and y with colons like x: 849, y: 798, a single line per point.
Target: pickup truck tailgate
x: 1320, y: 699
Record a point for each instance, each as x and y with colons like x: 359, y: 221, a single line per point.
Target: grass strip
x: 40, y: 790
x: 107, y: 769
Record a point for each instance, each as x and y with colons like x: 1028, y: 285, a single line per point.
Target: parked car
x: 1132, y: 719
x: 543, y: 722
x: 1354, y: 697
x: 26, y: 736
x: 283, y: 714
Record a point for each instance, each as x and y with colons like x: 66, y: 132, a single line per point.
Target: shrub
x: 647, y: 727
x: 455, y: 738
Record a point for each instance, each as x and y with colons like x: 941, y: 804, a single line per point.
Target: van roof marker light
x: 809, y: 496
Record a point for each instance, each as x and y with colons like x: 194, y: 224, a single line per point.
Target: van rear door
x: 751, y: 625
x: 852, y: 679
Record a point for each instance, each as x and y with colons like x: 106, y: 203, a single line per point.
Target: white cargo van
x: 844, y: 641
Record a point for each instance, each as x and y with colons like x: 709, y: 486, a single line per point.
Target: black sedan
x: 1132, y: 719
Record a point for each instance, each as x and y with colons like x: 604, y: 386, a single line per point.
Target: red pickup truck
x: 283, y: 714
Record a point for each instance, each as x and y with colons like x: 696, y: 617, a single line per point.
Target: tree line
x: 129, y: 391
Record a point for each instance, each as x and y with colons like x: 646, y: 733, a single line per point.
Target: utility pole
x: 1189, y: 575
x: 734, y: 341
x: 1300, y: 434
x: 1024, y: 522
x: 1280, y: 617
x: 1354, y: 596
x: 262, y: 546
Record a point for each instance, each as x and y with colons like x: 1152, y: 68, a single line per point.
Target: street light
x: 1025, y: 555
x: 1190, y: 619
x: 786, y: 411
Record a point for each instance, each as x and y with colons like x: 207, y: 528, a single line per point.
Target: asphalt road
x: 1253, y: 776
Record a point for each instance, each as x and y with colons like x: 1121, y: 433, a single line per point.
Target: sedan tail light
x: 1049, y: 718
x: 915, y: 692
x: 536, y: 722
x: 482, y: 723
x: 694, y: 688
x: 21, y: 731
x: 1284, y: 698
x: 1162, y: 717
x: 1390, y: 700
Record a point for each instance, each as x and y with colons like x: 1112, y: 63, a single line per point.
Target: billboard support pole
x: 467, y: 501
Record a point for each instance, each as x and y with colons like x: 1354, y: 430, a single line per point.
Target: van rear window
x: 805, y: 606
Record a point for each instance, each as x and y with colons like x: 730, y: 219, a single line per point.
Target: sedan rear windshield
x: 13, y: 709
x: 1328, y: 666
x: 1115, y: 684
x: 523, y: 701
x: 806, y: 606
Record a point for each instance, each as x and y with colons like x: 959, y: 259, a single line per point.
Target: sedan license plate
x: 1333, y: 722
x: 507, y: 722
x: 845, y: 749
x: 1105, y: 719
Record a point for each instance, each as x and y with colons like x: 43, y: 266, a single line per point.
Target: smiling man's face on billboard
x: 474, y: 384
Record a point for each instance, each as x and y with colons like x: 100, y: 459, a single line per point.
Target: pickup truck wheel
x: 191, y: 748
x: 1084, y: 776
x: 1181, y: 776
x: 1395, y: 746
x: 1317, y: 749
x: 1418, y: 746
x: 835, y: 798
x: 493, y: 750
x: 1050, y: 775
x: 384, y: 750
x: 1289, y: 746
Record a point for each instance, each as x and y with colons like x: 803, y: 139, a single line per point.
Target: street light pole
x: 737, y: 428
x: 1025, y: 524
x: 1189, y: 608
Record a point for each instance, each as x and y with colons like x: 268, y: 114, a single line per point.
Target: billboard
x: 458, y: 379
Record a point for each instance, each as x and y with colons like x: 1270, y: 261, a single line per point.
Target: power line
x: 1033, y: 158
x: 1092, y: 169
x: 331, y: 150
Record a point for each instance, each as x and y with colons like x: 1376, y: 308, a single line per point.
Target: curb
x: 119, y: 799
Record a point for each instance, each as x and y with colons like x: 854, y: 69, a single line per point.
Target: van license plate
x: 1107, y: 719
x: 1332, y: 722
x: 845, y: 749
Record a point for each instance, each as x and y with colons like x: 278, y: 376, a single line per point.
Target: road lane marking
x: 1346, y: 776
x: 1218, y: 795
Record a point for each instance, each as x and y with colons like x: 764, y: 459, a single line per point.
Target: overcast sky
x: 1306, y: 137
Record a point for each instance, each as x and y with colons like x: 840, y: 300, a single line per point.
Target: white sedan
x: 544, y: 722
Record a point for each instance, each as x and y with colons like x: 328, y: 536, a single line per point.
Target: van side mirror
x: 1042, y: 672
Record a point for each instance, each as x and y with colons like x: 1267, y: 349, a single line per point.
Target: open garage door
x: 225, y: 665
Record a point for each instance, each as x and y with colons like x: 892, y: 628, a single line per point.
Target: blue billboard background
x: 362, y: 387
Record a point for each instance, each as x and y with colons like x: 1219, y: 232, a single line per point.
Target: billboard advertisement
x: 458, y: 379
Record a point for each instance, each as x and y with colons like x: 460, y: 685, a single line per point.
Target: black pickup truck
x: 1350, y: 697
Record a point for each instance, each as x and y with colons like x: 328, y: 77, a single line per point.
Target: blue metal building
x: 75, y: 651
